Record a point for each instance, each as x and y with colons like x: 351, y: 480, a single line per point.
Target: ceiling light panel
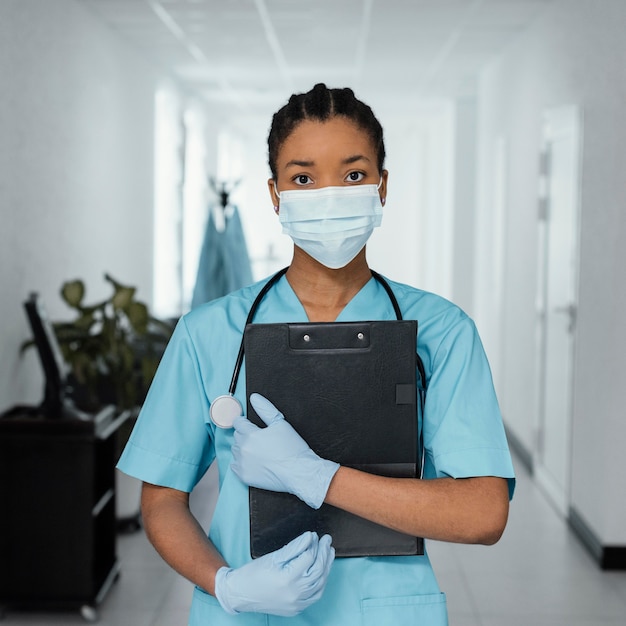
x: 317, y: 33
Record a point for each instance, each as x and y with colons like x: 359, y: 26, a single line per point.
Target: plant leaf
x: 123, y: 297
x: 73, y: 292
x: 138, y: 316
x: 85, y: 321
x: 113, y: 282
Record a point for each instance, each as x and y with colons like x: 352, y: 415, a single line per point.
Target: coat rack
x: 223, y: 191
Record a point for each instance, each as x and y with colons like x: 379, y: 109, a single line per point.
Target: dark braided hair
x: 321, y: 104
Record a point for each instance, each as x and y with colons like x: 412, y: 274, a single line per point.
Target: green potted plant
x: 113, y: 348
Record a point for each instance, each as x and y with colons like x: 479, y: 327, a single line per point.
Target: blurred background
x: 124, y: 123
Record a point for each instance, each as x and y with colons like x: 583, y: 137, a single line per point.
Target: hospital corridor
x: 450, y: 169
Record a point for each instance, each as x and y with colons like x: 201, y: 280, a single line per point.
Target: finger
x: 324, y: 558
x: 296, y: 547
x: 303, y: 562
x: 265, y: 409
x: 326, y: 541
x: 330, y: 558
x: 244, y: 425
x: 325, y: 546
x: 243, y: 431
x: 317, y: 576
x: 313, y: 585
x: 317, y: 587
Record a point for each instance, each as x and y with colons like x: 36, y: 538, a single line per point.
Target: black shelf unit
x: 58, y: 524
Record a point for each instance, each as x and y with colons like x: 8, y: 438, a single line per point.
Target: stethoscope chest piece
x: 224, y: 410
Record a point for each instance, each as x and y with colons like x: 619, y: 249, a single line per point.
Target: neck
x: 324, y: 292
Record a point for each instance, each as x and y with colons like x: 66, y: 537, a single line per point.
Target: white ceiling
x: 250, y: 55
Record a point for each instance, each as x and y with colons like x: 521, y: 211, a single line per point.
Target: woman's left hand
x: 277, y: 458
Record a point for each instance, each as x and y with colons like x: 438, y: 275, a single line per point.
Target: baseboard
x: 607, y: 557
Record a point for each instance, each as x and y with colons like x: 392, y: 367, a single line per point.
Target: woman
x: 323, y: 140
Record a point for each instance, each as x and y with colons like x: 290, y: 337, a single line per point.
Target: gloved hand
x: 277, y: 458
x: 284, y: 582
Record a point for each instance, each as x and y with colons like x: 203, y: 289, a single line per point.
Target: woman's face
x: 324, y: 154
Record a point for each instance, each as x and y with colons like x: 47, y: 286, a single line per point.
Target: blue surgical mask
x: 331, y: 224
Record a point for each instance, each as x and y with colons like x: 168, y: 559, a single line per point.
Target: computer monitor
x: 55, y: 368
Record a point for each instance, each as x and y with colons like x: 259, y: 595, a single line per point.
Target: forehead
x: 334, y: 138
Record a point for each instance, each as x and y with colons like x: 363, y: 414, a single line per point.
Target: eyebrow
x: 297, y: 163
x: 347, y: 161
x: 354, y: 158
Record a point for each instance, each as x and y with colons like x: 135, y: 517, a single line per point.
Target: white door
x: 557, y: 298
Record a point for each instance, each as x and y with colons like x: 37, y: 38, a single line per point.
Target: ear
x: 383, y: 186
x: 271, y: 185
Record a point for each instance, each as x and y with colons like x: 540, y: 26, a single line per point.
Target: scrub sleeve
x: 168, y: 449
x: 174, y: 442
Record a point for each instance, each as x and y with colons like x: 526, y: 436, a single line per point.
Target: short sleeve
x: 171, y: 445
x: 463, y: 430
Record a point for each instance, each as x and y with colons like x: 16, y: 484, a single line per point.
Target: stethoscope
x: 226, y: 408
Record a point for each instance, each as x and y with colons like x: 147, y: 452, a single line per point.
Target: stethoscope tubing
x: 230, y: 398
x: 253, y: 309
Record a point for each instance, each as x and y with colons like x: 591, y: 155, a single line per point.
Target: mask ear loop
x: 277, y: 194
x: 380, y: 184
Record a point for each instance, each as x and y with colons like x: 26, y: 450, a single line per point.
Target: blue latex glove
x: 276, y: 458
x: 284, y: 582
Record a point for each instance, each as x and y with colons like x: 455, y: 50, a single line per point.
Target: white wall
x: 576, y: 53
x: 463, y: 205
x: 76, y: 163
x: 414, y: 244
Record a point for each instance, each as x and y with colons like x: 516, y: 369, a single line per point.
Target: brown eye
x: 355, y: 177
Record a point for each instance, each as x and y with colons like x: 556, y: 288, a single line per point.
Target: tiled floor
x: 537, y: 575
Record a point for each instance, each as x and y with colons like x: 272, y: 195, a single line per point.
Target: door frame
x: 555, y: 123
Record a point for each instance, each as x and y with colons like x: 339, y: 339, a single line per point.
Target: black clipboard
x: 349, y: 389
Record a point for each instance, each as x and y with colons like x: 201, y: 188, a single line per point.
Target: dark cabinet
x: 57, y: 503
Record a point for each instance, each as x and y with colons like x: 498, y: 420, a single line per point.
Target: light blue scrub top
x: 174, y: 442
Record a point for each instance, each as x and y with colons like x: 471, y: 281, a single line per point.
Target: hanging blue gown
x: 224, y: 264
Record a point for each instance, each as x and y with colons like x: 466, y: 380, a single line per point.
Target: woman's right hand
x: 284, y: 582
